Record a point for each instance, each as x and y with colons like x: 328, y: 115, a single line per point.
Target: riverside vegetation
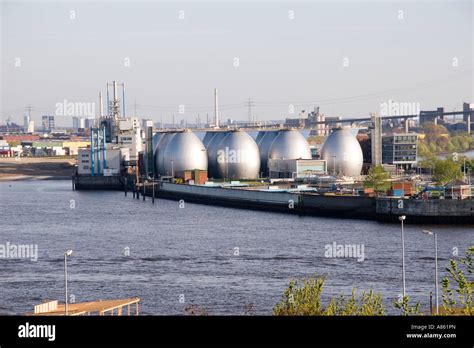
x: 304, y: 298
x: 438, y: 140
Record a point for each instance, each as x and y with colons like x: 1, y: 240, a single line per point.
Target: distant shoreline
x: 36, y: 168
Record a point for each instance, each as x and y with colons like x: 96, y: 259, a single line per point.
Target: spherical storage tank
x: 289, y: 144
x: 264, y: 141
x: 342, y: 153
x: 212, y: 142
x: 159, y: 150
x: 208, y: 137
x: 237, y: 156
x: 180, y: 151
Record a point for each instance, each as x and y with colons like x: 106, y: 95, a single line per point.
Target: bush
x: 462, y: 276
x: 306, y: 300
x: 405, y: 308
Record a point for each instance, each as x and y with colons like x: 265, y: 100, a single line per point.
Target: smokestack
x: 216, y: 108
x: 108, y: 100
x: 101, y: 105
x: 115, y: 90
x: 123, y: 100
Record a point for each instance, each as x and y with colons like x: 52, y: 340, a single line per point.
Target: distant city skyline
x: 347, y: 58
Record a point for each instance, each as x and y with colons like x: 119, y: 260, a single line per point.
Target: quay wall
x: 426, y: 211
x: 383, y: 209
x: 253, y: 199
x: 304, y: 204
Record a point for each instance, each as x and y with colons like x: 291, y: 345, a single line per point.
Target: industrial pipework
x: 97, y: 137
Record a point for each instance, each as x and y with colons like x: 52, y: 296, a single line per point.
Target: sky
x: 346, y: 57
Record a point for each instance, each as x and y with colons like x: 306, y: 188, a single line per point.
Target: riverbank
x: 36, y: 168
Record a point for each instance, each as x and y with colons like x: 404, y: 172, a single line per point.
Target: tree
x: 423, y: 150
x: 462, y: 275
x: 446, y: 171
x: 438, y: 139
x: 377, y: 179
x: 433, y: 148
x: 433, y: 132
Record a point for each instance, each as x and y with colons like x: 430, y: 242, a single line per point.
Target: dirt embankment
x: 36, y: 168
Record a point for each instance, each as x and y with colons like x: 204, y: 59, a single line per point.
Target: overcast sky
x: 347, y: 57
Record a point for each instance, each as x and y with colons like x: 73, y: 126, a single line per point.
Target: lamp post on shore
x: 436, y: 266
x: 402, y: 218
x: 66, y: 254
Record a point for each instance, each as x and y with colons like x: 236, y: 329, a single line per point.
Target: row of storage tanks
x: 237, y: 155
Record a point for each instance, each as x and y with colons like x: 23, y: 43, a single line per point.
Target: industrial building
x: 400, y: 149
x: 48, y: 123
x: 106, y: 163
x: 129, y: 136
x: 333, y: 120
x: 296, y: 168
x: 315, y: 120
x: 28, y: 124
x: 78, y: 123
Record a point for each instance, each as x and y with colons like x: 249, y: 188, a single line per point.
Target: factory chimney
x: 101, y: 105
x: 115, y: 90
x: 216, y: 108
x: 115, y: 102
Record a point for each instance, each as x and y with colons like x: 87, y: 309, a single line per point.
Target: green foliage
x: 448, y: 298
x: 370, y: 304
x: 446, y: 170
x: 306, y: 300
x: 469, y: 164
x: 433, y: 131
x: 377, y: 179
x: 438, y: 140
x: 461, y: 275
x: 423, y: 150
x: 405, y: 307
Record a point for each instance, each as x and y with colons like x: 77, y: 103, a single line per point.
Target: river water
x: 217, y: 258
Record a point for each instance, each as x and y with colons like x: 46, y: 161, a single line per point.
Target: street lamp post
x: 464, y: 169
x: 435, y: 235
x: 66, y: 254
x: 402, y: 218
